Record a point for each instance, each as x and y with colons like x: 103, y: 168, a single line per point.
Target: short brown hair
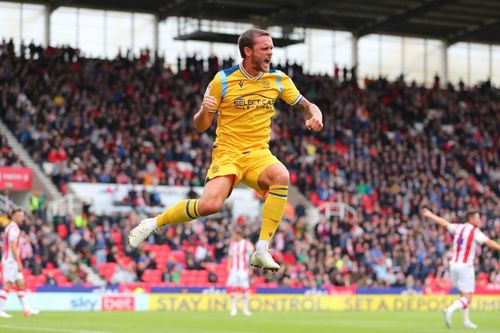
x: 246, y: 39
x: 470, y: 214
x: 14, y: 211
x: 240, y: 231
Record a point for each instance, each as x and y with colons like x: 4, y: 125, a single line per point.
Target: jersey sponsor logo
x: 253, y: 101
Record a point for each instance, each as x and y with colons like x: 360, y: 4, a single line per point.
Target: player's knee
x: 281, y: 178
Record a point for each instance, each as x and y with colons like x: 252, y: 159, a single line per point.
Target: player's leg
x: 267, y: 174
x: 460, y: 303
x: 462, y: 280
x: 232, y: 283
x: 21, y: 294
x: 465, y: 312
x: 4, y: 293
x: 245, y: 292
x: 275, y: 179
x: 234, y: 301
x: 448, y: 312
x: 214, y: 194
x: 468, y: 280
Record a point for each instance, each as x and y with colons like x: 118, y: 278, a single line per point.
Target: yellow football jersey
x: 245, y: 106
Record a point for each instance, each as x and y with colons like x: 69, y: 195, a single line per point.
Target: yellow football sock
x: 273, y: 210
x: 183, y: 211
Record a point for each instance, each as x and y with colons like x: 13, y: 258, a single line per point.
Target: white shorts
x: 10, y: 272
x: 238, y: 279
x: 463, y: 278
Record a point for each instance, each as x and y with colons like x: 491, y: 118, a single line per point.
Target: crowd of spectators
x: 7, y: 156
x: 390, y: 252
x: 387, y: 150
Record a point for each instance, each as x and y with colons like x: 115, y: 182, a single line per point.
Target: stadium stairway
x: 93, y: 277
x: 41, y: 182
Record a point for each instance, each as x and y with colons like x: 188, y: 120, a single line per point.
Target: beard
x: 261, y: 65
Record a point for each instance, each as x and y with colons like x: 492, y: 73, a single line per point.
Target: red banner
x: 337, y: 290
x: 15, y: 179
x: 118, y: 303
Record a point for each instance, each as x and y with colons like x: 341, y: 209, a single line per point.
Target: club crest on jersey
x: 266, y: 84
x: 240, y: 84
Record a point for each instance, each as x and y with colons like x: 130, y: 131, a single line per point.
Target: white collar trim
x: 247, y: 75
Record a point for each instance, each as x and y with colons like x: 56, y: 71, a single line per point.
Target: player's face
x: 262, y: 53
x: 18, y: 217
x: 476, y: 220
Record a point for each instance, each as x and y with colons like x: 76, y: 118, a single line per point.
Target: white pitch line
x: 47, y: 329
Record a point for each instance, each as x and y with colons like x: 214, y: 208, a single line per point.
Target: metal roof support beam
x: 47, y: 25
x: 467, y: 33
x: 444, y: 64
x: 156, y: 34
x: 490, y: 62
x: 354, y: 54
x: 412, y: 11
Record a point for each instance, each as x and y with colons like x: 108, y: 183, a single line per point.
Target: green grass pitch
x: 287, y: 322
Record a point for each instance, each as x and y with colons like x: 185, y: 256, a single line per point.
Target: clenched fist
x: 209, y: 104
x: 314, y: 123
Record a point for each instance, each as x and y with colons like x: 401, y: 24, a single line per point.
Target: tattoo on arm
x: 303, y: 106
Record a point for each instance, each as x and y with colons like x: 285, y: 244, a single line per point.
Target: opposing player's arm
x: 313, y: 114
x: 433, y: 217
x: 229, y: 263
x: 15, y: 255
x: 230, y: 256
x: 492, y: 244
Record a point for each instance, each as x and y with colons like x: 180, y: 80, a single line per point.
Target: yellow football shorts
x: 246, y: 167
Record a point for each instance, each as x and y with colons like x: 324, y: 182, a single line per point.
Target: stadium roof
x: 451, y: 20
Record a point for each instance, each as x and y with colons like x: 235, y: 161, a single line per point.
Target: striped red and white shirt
x: 11, y: 234
x: 239, y: 253
x: 465, y: 237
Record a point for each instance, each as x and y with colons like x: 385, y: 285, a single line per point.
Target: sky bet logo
x: 83, y: 303
x: 254, y: 101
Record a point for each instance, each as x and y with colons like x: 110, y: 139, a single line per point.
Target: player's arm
x: 291, y: 95
x: 229, y: 262
x: 205, y: 116
x: 492, y: 244
x: 15, y: 255
x: 230, y: 256
x: 433, y: 217
x: 313, y: 114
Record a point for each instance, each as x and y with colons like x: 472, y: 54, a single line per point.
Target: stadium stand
x: 387, y: 150
x: 7, y: 156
